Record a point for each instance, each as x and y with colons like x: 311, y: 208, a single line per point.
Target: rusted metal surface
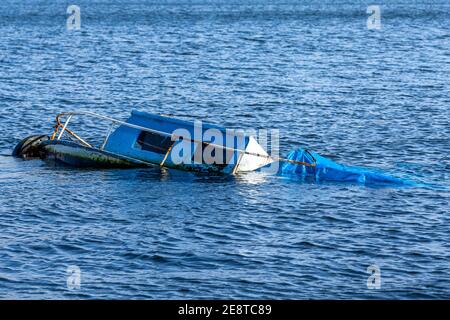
x: 77, y: 155
x: 60, y: 125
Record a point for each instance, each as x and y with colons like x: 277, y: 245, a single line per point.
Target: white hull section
x: 250, y: 162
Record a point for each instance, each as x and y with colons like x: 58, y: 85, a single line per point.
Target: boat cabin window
x: 149, y: 141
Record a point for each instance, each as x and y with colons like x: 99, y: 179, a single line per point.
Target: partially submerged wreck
x: 149, y: 140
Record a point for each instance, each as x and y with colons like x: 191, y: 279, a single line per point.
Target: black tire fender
x: 30, y: 147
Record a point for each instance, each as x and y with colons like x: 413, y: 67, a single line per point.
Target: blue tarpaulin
x: 328, y: 170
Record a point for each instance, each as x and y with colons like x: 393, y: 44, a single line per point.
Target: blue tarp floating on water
x: 328, y: 170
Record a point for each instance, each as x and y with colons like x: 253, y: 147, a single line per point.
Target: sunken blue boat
x: 149, y: 140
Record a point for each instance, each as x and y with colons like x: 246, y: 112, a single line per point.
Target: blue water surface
x: 312, y: 69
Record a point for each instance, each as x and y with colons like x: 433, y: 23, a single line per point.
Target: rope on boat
x: 242, y: 152
x: 174, y: 138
